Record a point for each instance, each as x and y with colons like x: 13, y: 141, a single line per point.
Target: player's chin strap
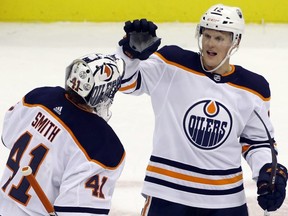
x: 230, y: 52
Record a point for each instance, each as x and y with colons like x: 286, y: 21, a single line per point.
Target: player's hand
x: 267, y: 199
x: 140, y: 40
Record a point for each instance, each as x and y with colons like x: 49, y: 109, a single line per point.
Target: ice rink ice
x: 36, y: 54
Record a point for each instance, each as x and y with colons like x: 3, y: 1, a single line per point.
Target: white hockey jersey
x: 74, y: 154
x: 203, y: 123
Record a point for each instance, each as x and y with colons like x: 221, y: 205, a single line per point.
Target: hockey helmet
x: 223, y: 18
x: 96, y: 78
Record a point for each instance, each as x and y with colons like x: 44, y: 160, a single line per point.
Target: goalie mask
x: 96, y: 78
x: 222, y: 18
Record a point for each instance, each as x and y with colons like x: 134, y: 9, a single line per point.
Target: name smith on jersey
x: 45, y: 126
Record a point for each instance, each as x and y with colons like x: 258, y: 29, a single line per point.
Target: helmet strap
x: 230, y: 52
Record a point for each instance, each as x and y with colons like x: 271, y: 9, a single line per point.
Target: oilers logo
x: 207, y: 124
x: 106, y: 73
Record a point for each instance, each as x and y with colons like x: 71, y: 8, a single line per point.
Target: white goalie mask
x: 96, y: 78
x: 222, y: 18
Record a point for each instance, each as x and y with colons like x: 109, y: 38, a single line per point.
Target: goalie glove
x: 267, y: 199
x: 140, y: 40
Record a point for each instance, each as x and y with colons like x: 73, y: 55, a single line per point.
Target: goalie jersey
x: 75, y: 156
x: 204, y: 122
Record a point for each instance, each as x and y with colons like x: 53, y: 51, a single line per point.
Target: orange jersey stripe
x: 131, y: 86
x: 194, y: 178
x: 178, y: 65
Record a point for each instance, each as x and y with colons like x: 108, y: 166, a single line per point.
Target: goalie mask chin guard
x: 96, y: 78
x: 222, y: 18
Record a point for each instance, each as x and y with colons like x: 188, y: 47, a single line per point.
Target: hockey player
x: 205, y: 118
x: 63, y: 135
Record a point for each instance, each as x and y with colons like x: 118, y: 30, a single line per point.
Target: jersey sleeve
x: 141, y: 76
x: 86, y: 188
x: 10, y: 123
x: 254, y: 140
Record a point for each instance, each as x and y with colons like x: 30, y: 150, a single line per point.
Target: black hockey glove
x: 267, y: 199
x: 140, y: 40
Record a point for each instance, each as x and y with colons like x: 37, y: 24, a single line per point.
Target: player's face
x: 215, y: 46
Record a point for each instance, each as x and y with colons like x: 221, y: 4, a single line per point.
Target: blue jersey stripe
x: 191, y: 189
x: 81, y: 210
x: 188, y: 167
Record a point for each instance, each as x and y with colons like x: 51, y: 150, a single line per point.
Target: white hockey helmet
x: 96, y: 78
x: 223, y: 18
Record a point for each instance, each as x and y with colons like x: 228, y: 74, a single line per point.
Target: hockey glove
x: 140, y: 40
x: 267, y: 199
